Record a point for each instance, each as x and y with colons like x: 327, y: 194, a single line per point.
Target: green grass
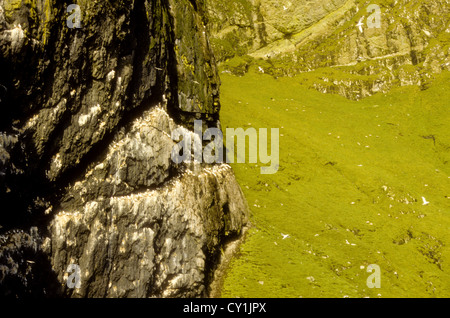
x: 348, y: 192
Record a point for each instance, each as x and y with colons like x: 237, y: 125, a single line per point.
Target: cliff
x: 85, y: 167
x: 335, y: 46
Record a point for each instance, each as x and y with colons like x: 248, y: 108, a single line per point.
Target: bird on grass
x: 285, y: 236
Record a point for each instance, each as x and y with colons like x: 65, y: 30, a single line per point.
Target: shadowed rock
x: 85, y: 151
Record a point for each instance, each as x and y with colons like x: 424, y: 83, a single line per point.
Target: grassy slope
x: 348, y: 192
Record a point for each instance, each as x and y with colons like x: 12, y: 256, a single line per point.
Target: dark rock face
x: 85, y: 168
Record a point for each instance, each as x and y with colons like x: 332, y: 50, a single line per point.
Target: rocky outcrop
x: 334, y: 47
x: 85, y: 147
x: 409, y: 47
x: 247, y: 26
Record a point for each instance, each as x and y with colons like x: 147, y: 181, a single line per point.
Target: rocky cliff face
x: 85, y: 167
x: 334, y: 45
x: 248, y: 26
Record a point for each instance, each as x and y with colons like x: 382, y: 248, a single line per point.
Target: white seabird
x: 360, y: 24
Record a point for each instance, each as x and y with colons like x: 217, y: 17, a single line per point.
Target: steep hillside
x: 349, y: 192
x: 364, y: 177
